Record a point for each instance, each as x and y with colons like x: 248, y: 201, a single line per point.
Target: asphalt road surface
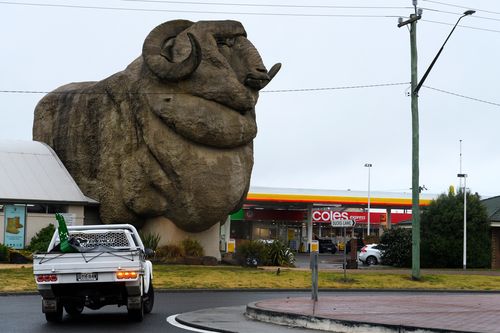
x: 23, y: 313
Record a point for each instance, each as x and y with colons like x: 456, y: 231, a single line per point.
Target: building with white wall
x: 34, y: 185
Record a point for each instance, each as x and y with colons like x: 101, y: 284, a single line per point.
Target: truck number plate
x: 86, y: 277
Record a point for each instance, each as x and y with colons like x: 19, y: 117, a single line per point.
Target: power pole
x: 415, y: 87
x: 415, y: 192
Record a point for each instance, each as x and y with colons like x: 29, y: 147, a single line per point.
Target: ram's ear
x: 157, y: 51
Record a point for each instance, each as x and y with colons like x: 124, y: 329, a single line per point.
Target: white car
x: 370, y: 255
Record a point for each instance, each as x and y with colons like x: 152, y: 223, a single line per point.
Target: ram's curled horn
x: 158, y: 56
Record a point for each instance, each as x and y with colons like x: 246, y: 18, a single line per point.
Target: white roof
x: 30, y: 171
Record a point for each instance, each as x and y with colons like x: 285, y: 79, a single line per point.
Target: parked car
x: 370, y: 255
x: 326, y: 245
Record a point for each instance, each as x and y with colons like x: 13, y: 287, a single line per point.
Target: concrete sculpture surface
x: 172, y: 134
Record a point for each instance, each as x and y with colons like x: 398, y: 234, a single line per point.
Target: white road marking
x: 171, y: 320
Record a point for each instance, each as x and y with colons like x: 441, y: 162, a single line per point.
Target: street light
x: 415, y: 87
x: 466, y: 13
x: 464, y: 176
x: 368, y: 165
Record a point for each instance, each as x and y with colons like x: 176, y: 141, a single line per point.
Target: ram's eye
x: 228, y: 41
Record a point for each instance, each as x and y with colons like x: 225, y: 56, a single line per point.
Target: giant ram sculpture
x: 171, y: 135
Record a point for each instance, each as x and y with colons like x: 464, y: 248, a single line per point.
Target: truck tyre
x: 55, y: 317
x: 149, y: 300
x: 74, y: 309
x: 136, y: 314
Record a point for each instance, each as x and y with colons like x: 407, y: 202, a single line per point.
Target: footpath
x: 382, y: 312
x: 378, y: 312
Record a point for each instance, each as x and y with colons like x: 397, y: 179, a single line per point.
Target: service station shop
x: 298, y: 216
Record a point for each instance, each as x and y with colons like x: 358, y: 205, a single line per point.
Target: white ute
x: 107, y: 267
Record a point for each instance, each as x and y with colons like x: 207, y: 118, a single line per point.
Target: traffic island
x: 436, y: 312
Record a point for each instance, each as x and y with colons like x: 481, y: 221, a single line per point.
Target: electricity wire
x: 461, y: 26
x: 264, y: 91
x: 336, y: 88
x: 458, y: 6
x: 194, y: 11
x: 462, y: 96
x: 267, y: 91
x: 254, y: 13
x: 264, y: 5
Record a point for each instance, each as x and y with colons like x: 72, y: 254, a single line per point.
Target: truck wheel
x: 74, y: 309
x: 136, y: 314
x: 55, y: 317
x: 149, y: 300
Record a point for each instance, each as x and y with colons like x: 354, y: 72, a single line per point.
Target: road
x: 23, y: 313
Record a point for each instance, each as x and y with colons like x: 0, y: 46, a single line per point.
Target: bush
x: 169, y: 251
x: 4, y: 253
x: 150, y: 240
x: 396, y: 246
x: 442, y: 232
x: 192, y: 248
x: 252, y: 253
x: 40, y: 242
x: 279, y: 254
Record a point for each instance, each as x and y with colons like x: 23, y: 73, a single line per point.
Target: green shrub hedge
x: 40, y: 242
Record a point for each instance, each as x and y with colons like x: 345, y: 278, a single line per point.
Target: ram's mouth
x: 205, y: 122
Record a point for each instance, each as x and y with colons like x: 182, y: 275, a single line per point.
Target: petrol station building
x: 298, y: 216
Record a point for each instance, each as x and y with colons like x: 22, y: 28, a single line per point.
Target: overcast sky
x: 317, y: 138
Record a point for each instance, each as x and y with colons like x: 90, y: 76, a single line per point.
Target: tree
x: 442, y: 232
x: 396, y: 247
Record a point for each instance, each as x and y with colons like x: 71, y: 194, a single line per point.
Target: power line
x: 458, y: 14
x: 193, y: 11
x: 234, y: 13
x: 463, y: 7
x: 462, y: 26
x: 264, y: 91
x: 149, y: 93
x: 463, y: 96
x: 264, y: 5
x: 336, y: 88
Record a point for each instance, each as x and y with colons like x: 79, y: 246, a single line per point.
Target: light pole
x: 415, y: 129
x: 464, y: 176
x: 368, y: 165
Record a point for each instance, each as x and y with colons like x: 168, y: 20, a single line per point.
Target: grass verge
x: 230, y: 277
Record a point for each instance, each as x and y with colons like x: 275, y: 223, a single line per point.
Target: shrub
x: 192, y: 248
x: 150, y: 240
x: 4, y: 253
x: 442, y: 232
x: 40, y: 242
x: 396, y: 247
x: 252, y: 253
x: 170, y: 251
x: 279, y: 254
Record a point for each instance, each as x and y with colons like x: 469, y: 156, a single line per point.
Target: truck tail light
x: 46, y: 278
x: 126, y: 275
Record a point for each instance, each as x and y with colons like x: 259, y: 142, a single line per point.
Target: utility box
x: 231, y: 245
x: 314, y: 246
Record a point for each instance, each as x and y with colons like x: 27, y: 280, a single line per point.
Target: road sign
x: 343, y: 223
